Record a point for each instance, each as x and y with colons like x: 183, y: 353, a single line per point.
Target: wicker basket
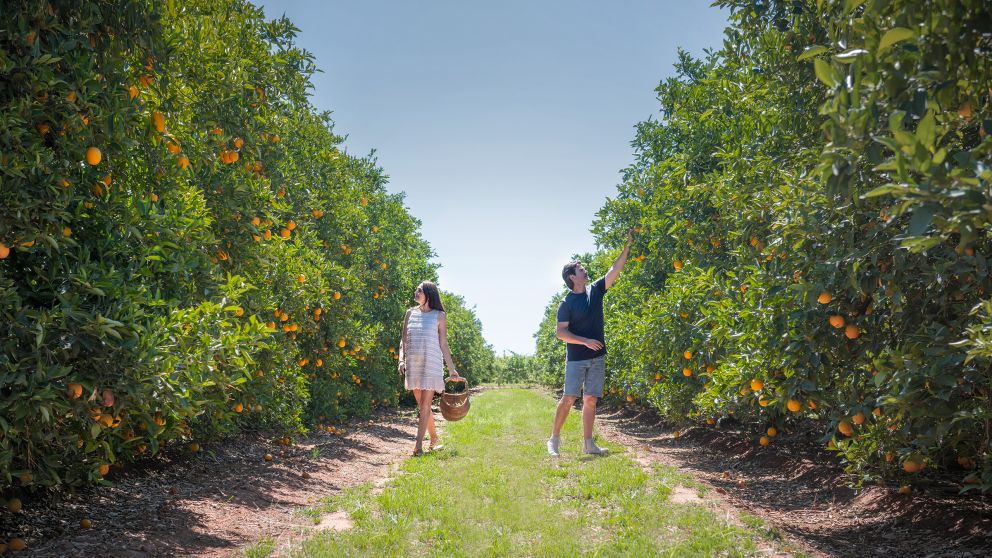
x: 454, y: 406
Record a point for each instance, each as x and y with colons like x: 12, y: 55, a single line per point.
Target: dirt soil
x: 800, y: 489
x: 227, y: 497
x: 216, y: 502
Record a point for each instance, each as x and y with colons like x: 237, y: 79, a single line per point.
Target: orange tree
x: 473, y: 357
x: 812, y: 241
x: 184, y: 249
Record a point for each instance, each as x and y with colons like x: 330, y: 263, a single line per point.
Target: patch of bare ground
x: 219, y: 501
x: 799, y: 488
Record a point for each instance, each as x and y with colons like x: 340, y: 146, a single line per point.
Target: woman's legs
x: 431, y: 428
x: 423, y: 397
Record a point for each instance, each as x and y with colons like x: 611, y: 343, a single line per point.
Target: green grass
x: 263, y: 548
x: 493, y: 491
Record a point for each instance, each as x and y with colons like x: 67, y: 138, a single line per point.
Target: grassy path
x: 493, y: 491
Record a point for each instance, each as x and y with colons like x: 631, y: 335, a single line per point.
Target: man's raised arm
x: 618, y: 264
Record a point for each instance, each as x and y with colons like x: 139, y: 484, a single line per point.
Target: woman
x: 423, y: 344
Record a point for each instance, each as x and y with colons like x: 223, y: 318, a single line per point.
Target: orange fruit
x: 194, y: 447
x: 132, y: 92
x: 811, y: 404
x: 285, y: 233
x: 889, y: 457
x: 238, y: 408
x: 71, y: 97
x: 93, y: 156
x: 86, y: 523
x: 173, y: 147
x: 687, y: 372
x: 858, y: 418
x: 66, y: 232
x: 710, y: 368
x: 183, y: 162
x: 238, y: 142
x: 763, y: 402
x: 877, y: 412
x: 267, y: 235
x: 283, y: 317
x: 267, y: 457
x: 75, y: 391
x: 837, y: 321
x: 255, y: 221
x: 852, y: 331
x: 772, y: 431
x: 825, y: 298
x: 756, y: 384
x: 763, y: 440
x: 16, y: 544
x: 319, y: 362
x: 687, y: 355
x: 845, y: 428
x: 657, y: 377
x: 158, y: 120
x: 964, y: 111
x: 291, y: 225
x: 913, y: 465
x: 905, y: 489
x: 104, y: 469
x: 4, y: 251
x: 337, y: 295
x: 794, y: 405
x: 316, y: 311
x: 14, y: 505
x: 258, y: 408
x: 217, y: 131
x: 301, y: 278
x: 630, y: 398
x: 678, y: 265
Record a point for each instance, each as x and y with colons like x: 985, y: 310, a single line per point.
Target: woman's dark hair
x: 433, y: 295
x: 568, y: 271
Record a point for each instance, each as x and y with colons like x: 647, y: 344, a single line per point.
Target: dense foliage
x: 813, y: 210
x: 184, y: 249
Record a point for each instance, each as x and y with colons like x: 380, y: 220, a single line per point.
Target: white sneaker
x: 592, y: 449
x: 553, y: 444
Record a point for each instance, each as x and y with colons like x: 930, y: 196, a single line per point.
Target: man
x: 580, y: 325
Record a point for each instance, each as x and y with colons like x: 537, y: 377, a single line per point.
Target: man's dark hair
x: 568, y: 271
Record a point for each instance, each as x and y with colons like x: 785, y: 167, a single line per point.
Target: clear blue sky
x: 506, y: 123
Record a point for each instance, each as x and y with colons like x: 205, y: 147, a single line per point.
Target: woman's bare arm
x: 442, y: 334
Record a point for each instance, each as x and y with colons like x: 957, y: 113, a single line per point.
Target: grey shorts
x: 585, y: 376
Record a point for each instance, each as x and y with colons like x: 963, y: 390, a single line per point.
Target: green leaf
x: 922, y: 217
x: 825, y: 72
x: 926, y: 132
x: 849, y: 56
x: 893, y: 36
x: 886, y: 190
x: 812, y: 51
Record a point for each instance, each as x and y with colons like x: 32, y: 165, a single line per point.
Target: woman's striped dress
x: 424, y: 362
